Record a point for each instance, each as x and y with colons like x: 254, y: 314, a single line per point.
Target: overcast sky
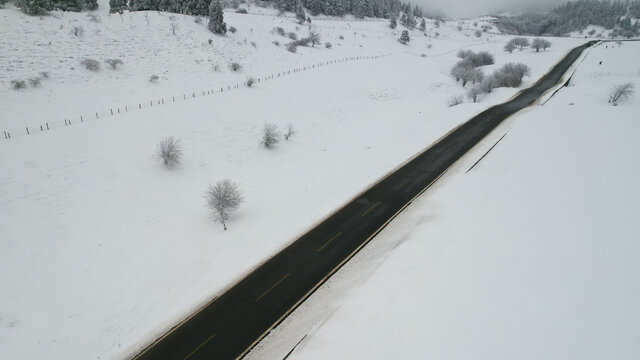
x: 470, y: 8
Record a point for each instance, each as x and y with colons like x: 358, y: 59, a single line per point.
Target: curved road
x: 230, y: 325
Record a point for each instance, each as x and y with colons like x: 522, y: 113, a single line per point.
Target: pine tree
x: 202, y: 7
x: 90, y: 4
x: 117, y: 6
x: 393, y: 23
x: 189, y: 7
x: 34, y: 7
x: 216, y: 18
x: 404, y: 38
x: 300, y: 16
x: 423, y: 25
x: 66, y: 5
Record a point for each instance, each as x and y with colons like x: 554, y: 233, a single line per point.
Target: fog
x: 471, y: 8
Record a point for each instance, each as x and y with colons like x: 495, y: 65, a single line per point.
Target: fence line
x: 185, y: 96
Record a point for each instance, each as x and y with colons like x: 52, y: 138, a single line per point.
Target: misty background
x: 472, y: 8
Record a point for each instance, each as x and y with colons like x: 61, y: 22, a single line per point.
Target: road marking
x: 371, y: 208
x: 271, y: 288
x: 199, y: 347
x: 328, y: 242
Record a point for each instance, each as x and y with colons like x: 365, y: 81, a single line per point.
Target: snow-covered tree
x: 202, y: 7
x: 538, y: 44
x: 216, y: 18
x: 300, y: 16
x: 393, y: 23
x: 404, y: 38
x: 423, y: 25
x: 117, y: 6
x: 223, y: 199
x: 90, y: 5
x: 34, y: 7
x: 510, y: 46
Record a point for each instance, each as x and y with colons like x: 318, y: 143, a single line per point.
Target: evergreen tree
x: 140, y: 5
x: 117, y: 6
x: 202, y: 7
x: 34, y: 7
x: 393, y: 23
x: 404, y: 38
x: 300, y: 16
x: 423, y: 25
x: 90, y: 5
x: 189, y: 7
x: 216, y: 18
x: 417, y: 11
x: 66, y: 5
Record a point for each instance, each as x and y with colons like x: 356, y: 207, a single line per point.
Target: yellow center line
x: 271, y: 288
x: 371, y: 208
x: 328, y: 242
x: 199, y: 347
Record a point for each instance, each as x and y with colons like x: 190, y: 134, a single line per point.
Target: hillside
x: 103, y: 248
x: 531, y: 254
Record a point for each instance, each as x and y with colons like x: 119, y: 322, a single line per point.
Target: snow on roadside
x: 532, y: 254
x: 103, y: 249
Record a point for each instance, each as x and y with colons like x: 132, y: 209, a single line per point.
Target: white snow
x: 102, y: 248
x: 532, y: 254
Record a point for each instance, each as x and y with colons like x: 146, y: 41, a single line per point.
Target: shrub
x: 292, y: 36
x: 455, y: 100
x: 94, y: 18
x: 620, y: 92
x: 77, y: 31
x: 197, y: 20
x: 481, y: 59
x: 44, y: 75
x: 242, y: 11
x: 113, y: 63
x: 328, y: 45
x: 463, y: 54
x: 234, y: 66
x: 478, y: 33
x: 223, y: 199
x: 251, y: 81
x: 511, y: 74
x: 18, y: 84
x: 91, y: 65
x: 341, y: 37
x: 278, y: 30
x: 270, y: 136
x: 290, y: 132
x: 153, y: 78
x: 34, y: 81
x: 254, y: 44
x: 292, y: 47
x: 276, y: 43
x: 232, y: 29
x: 169, y: 151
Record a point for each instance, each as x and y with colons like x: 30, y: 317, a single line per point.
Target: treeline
x: 576, y: 16
x: 359, y: 8
x: 39, y: 7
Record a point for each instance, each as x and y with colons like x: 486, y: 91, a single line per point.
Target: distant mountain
x: 576, y: 16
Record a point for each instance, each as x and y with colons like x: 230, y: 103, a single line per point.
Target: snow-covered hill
x: 532, y: 254
x: 102, y: 248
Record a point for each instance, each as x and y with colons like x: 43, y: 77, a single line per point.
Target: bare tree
x: 455, y: 100
x: 223, y: 198
x: 538, y: 44
x: 169, y: 151
x: 473, y: 93
x: 270, y: 135
x: 314, y: 38
x: 510, y: 46
x: 620, y: 92
x: 90, y: 64
x: 113, y: 63
x: 174, y: 26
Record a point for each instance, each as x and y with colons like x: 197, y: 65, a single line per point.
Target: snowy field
x: 533, y: 254
x: 103, y: 249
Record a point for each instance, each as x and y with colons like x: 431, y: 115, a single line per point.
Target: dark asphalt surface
x: 231, y: 324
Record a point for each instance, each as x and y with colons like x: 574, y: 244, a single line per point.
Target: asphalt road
x: 233, y: 323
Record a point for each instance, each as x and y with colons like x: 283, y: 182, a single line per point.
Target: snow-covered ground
x: 533, y: 254
x: 102, y: 248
